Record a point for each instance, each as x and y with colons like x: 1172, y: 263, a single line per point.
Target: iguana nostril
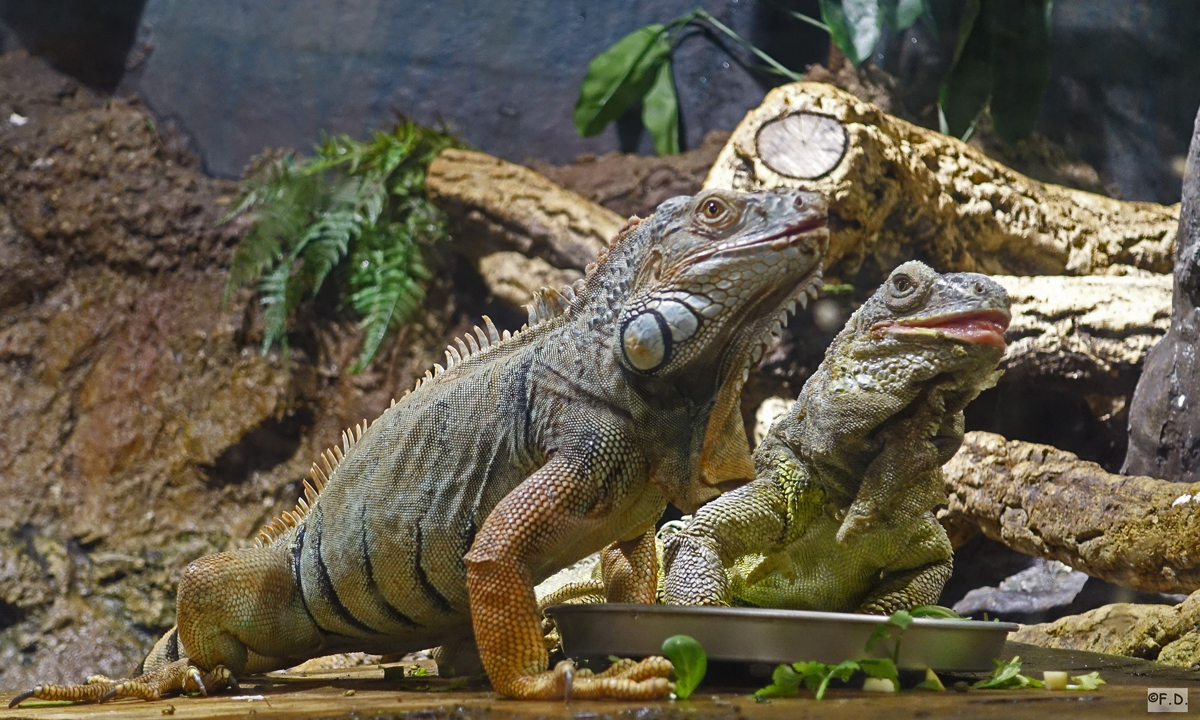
x: 800, y: 201
x: 979, y: 287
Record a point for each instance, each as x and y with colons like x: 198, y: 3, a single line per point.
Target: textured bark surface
x: 1164, y: 417
x: 1118, y: 629
x: 1087, y: 333
x: 902, y: 191
x: 512, y: 278
x: 1169, y: 634
x: 1135, y: 531
x: 496, y: 206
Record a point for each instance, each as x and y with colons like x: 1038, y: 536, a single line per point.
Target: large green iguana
x: 840, y: 515
x: 523, y: 455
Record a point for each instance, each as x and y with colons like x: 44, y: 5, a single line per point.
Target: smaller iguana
x: 840, y: 516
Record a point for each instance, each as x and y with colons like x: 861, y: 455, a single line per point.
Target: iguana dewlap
x: 840, y: 516
x: 521, y: 456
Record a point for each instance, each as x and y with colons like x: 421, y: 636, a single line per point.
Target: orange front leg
x: 539, y: 515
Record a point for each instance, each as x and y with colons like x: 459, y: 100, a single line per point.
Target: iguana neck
x: 845, y: 406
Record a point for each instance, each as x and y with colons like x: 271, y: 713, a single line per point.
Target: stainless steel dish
x: 774, y: 636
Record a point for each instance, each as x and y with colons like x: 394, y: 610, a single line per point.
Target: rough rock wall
x: 139, y: 425
x: 1164, y: 417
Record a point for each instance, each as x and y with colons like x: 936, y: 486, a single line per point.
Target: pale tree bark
x: 899, y: 191
x: 524, y: 232
x: 494, y: 206
x: 1131, y: 530
x: 1089, y: 333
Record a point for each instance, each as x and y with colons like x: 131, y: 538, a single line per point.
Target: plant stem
x: 703, y: 14
x: 799, y: 16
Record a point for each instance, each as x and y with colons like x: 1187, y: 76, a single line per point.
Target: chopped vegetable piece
x: 1055, y: 679
x: 931, y: 682
x: 878, y: 685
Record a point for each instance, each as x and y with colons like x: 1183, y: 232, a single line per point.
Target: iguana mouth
x: 983, y: 327
x: 778, y: 241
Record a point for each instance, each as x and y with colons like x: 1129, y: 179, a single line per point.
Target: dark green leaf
x: 907, y: 14
x: 935, y: 611
x: 901, y: 619
x: 881, y: 668
x: 618, y: 77
x: 784, y: 683
x: 900, y: 14
x: 810, y: 673
x: 854, y: 26
x: 968, y: 85
x: 879, y: 633
x: 966, y: 25
x: 689, y: 660
x: 841, y: 671
x: 1007, y: 675
x: 1091, y: 681
x: 938, y: 17
x: 660, y: 112
x: 1021, y: 63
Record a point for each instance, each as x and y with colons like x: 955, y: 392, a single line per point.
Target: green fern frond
x: 274, y: 291
x: 327, y: 242
x: 362, y: 200
x: 385, y: 286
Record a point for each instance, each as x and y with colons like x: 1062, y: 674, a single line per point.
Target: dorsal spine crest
x: 331, y: 458
x: 546, y: 306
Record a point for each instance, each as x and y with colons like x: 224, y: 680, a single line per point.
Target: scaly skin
x: 840, y: 515
x: 521, y: 457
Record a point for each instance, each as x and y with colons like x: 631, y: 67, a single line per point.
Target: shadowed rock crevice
x: 272, y: 442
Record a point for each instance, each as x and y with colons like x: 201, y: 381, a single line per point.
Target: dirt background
x: 139, y: 425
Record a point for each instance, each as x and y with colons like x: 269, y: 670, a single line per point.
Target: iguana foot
x: 179, y: 676
x: 623, y: 680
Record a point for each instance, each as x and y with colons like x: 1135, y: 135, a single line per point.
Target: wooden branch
x: 1091, y: 333
x: 899, y: 191
x: 1135, y: 531
x: 513, y: 278
x: 494, y: 206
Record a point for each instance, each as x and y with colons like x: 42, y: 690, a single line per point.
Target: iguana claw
x: 180, y: 676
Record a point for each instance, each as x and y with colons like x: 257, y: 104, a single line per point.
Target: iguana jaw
x: 777, y: 242
x: 982, y: 327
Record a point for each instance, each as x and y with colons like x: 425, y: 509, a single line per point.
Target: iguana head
x: 920, y: 326
x: 917, y: 351
x: 720, y: 271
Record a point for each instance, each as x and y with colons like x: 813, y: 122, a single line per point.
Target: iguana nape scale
x: 840, y: 515
x: 523, y: 455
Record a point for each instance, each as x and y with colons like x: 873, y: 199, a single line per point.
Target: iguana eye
x: 713, y: 209
x: 903, y: 285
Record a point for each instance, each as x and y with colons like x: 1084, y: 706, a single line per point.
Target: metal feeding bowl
x: 760, y: 635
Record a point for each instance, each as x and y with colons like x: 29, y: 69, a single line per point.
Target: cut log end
x: 804, y: 145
